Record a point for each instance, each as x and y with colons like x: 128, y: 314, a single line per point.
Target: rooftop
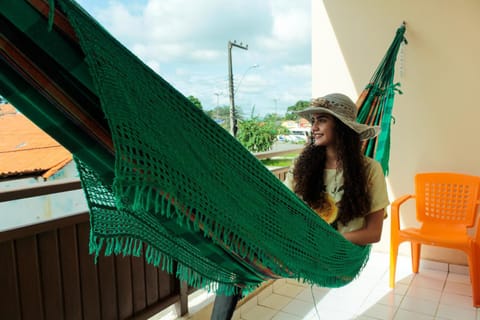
x: 25, y: 149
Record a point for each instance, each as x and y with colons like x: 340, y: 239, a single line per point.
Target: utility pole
x: 233, y: 118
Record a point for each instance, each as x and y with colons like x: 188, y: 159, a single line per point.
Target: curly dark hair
x: 309, y: 169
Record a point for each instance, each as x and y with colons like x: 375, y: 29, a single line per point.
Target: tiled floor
x: 438, y: 291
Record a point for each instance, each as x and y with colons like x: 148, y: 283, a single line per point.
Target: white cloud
x: 205, y: 54
x: 186, y: 43
x: 291, y: 25
x: 303, y: 70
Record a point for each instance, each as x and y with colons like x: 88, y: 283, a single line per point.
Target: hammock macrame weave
x: 375, y: 103
x: 161, y: 178
x: 179, y: 175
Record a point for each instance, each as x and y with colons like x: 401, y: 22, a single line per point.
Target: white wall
x: 437, y: 117
x: 28, y: 211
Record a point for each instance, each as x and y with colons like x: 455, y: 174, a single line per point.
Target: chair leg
x: 474, y: 266
x: 416, y: 248
x: 393, y: 262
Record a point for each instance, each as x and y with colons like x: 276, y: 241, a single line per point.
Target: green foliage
x: 278, y: 162
x: 300, y: 105
x: 196, y: 102
x: 275, y: 121
x: 272, y: 117
x: 256, y: 136
x: 282, y: 130
x: 221, y: 115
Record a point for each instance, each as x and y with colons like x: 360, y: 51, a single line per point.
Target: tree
x: 275, y: 121
x: 256, y: 136
x: 221, y: 115
x: 300, y: 105
x: 196, y: 102
x: 272, y: 117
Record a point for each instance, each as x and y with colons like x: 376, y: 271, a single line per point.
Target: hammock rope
x: 375, y: 103
x: 194, y: 197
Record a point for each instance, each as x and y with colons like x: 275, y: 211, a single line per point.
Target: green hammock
x: 195, y: 196
x: 375, y: 103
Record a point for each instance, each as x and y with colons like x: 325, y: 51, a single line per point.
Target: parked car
x: 300, y: 134
x: 281, y: 138
x: 290, y: 138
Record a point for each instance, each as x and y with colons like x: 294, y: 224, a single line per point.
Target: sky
x: 186, y: 43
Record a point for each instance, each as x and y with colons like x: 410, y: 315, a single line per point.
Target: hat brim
x: 365, y: 131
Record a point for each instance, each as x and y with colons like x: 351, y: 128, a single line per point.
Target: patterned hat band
x: 344, y: 109
x: 337, y: 107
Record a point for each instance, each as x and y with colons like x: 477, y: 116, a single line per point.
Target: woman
x: 334, y: 178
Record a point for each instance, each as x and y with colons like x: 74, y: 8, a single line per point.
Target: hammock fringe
x: 231, y: 242
x: 191, y: 219
x: 128, y: 246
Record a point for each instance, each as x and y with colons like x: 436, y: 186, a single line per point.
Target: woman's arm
x: 371, y: 232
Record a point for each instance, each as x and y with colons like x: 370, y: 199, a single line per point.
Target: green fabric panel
x: 35, y: 27
x: 36, y: 102
x: 71, y: 66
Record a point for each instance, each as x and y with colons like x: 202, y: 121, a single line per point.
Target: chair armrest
x: 399, y: 201
x: 476, y: 233
x: 395, y: 210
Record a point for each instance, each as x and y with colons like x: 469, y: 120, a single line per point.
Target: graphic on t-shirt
x: 329, y: 210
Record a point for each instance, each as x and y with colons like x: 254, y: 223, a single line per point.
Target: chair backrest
x: 450, y: 198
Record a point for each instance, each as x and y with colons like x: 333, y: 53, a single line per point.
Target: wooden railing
x: 46, y: 271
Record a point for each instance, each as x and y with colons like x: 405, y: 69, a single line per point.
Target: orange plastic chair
x: 446, y: 206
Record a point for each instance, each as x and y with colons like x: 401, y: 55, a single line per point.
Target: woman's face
x: 323, y: 129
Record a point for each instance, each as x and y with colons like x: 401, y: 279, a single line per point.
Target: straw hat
x: 341, y: 107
